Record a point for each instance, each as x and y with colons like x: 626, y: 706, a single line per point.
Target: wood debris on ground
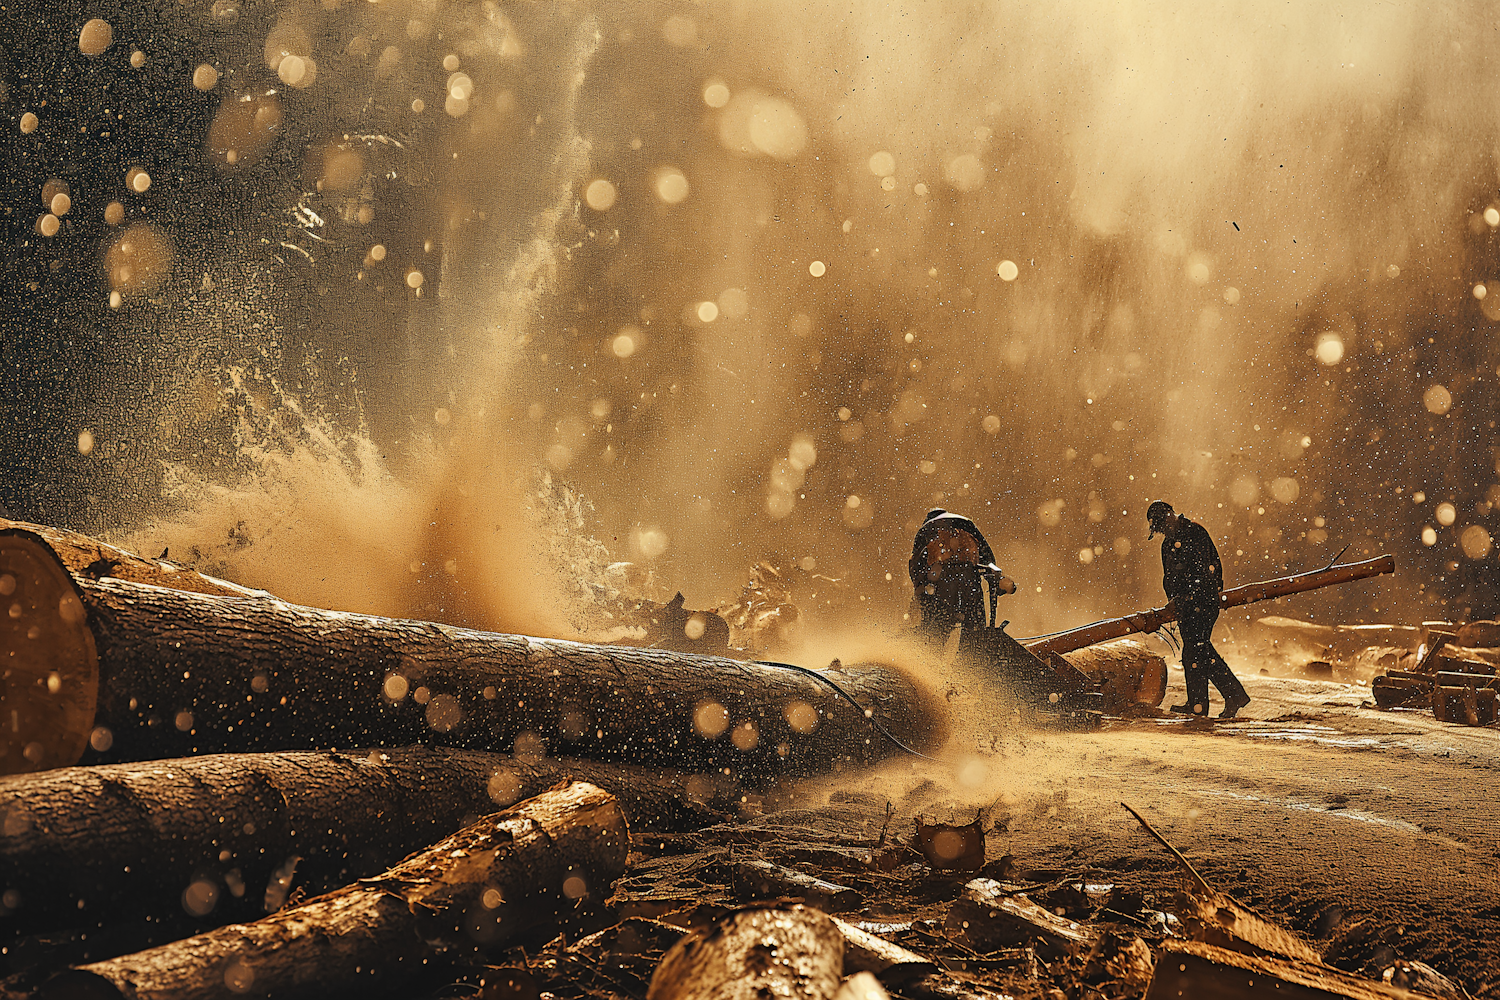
x: 143, y: 876
x: 1445, y: 668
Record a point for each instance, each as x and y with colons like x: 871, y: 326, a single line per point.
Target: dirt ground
x: 1370, y: 833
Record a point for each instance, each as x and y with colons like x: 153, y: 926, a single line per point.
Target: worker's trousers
x: 1201, y: 663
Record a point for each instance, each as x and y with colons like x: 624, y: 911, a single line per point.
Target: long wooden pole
x: 104, y: 670
x: 1265, y: 590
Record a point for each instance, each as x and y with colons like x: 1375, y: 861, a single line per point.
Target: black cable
x: 1071, y: 628
x: 868, y: 714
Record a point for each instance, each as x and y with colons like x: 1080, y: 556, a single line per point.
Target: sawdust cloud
x: 709, y: 284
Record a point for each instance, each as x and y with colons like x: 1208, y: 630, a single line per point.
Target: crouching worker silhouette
x: 1193, y: 576
x: 949, y: 562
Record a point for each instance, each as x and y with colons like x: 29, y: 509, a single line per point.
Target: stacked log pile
x: 1447, y: 668
x: 1452, y: 673
x: 186, y: 753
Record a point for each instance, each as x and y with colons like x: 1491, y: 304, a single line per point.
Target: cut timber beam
x: 1265, y: 590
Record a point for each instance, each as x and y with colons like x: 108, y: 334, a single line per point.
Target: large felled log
x: 1187, y: 969
x: 752, y: 953
x: 1130, y: 672
x: 217, y: 835
x: 478, y: 887
x: 135, y: 671
x: 1265, y: 590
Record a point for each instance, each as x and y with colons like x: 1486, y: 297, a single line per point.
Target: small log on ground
x: 1132, y: 673
x: 1462, y: 665
x: 209, y: 834
x: 988, y: 917
x: 134, y: 671
x: 757, y: 952
x: 1401, y: 692
x: 1187, y: 969
x: 477, y: 888
x: 866, y: 952
x: 757, y: 878
x: 1480, y: 635
x: 1465, y: 705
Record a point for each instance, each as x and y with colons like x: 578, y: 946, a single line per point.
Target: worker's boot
x: 1233, y: 705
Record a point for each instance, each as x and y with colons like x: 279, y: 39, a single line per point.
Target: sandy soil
x: 1370, y: 833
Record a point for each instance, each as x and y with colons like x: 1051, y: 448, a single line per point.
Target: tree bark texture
x: 477, y: 888
x: 49, y: 665
x: 224, y: 836
x: 182, y: 673
x: 752, y: 953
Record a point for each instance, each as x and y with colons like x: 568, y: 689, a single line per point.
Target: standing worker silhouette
x: 1192, y: 576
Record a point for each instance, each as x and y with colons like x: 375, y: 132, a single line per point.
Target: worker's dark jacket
x: 1191, y: 571
x: 922, y: 569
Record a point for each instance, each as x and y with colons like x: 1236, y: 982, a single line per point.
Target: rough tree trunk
x: 755, y: 952
x: 179, y: 673
x: 209, y: 834
x: 506, y: 872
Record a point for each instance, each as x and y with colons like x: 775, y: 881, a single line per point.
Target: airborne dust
x: 438, y: 309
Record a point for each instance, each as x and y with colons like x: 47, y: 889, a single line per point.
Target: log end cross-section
x: 49, y: 669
